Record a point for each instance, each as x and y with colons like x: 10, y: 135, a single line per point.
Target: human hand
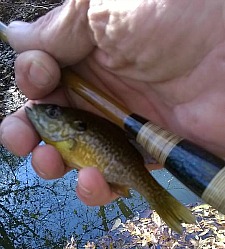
x: 164, y: 62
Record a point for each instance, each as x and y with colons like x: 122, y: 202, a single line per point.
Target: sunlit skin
x: 162, y: 61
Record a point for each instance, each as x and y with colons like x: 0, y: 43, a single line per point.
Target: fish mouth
x: 29, y: 112
x: 28, y: 109
x: 32, y: 114
x: 44, y: 125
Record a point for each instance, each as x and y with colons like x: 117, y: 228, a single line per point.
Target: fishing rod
x: 198, y: 169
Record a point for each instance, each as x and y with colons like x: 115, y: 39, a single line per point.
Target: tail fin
x: 173, y: 212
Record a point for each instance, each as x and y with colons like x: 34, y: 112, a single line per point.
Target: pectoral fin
x: 120, y: 190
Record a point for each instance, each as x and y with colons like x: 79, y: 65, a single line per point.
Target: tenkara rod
x: 195, y: 167
x: 97, y: 98
x: 3, y: 28
x: 199, y: 170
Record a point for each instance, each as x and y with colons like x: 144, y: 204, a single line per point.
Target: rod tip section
x: 214, y: 194
x: 3, y: 28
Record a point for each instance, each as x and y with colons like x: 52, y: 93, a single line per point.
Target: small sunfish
x: 85, y: 139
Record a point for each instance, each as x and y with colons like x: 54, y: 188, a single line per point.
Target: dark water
x: 35, y: 213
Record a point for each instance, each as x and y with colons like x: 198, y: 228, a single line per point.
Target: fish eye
x: 53, y: 111
x: 80, y: 125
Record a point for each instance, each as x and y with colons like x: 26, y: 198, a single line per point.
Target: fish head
x: 54, y: 123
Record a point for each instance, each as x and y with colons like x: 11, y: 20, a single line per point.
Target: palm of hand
x: 169, y: 69
x: 171, y: 74
x: 189, y: 105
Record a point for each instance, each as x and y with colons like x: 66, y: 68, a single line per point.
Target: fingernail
x: 83, y: 190
x: 37, y: 169
x: 38, y: 74
x: 41, y: 173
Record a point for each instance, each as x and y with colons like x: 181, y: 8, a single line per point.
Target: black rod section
x: 198, y: 169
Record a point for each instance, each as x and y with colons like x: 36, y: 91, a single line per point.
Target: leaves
x: 152, y: 232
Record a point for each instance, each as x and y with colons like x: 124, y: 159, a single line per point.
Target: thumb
x: 63, y: 32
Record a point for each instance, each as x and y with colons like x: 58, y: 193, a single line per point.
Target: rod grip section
x: 199, y: 170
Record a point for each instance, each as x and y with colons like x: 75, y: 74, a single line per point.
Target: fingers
x: 48, y: 163
x: 66, y: 41
x: 17, y: 135
x: 63, y: 32
x: 92, y: 189
x: 37, y: 73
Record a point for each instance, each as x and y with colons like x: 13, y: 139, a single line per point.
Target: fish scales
x: 85, y: 139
